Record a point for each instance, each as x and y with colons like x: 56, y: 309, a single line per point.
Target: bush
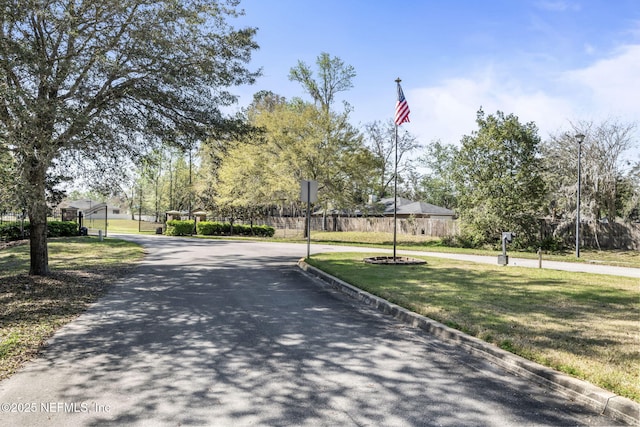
x: 210, y: 228
x: 177, y: 227
x: 11, y: 231
x: 264, y: 231
x: 62, y: 229
x: 256, y: 230
x: 552, y: 244
x: 463, y: 240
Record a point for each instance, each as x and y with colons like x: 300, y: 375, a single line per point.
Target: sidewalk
x: 533, y: 263
x: 581, y: 267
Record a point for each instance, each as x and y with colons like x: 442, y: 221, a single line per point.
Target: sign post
x: 308, y: 194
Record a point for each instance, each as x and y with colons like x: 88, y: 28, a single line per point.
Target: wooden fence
x: 596, y: 235
x: 613, y: 235
x: 416, y: 226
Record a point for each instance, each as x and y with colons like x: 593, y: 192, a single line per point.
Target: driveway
x: 232, y: 333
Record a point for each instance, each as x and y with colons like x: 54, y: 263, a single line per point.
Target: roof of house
x: 86, y: 206
x: 405, y: 207
x: 409, y: 207
x: 80, y: 204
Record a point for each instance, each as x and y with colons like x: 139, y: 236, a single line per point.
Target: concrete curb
x: 600, y: 400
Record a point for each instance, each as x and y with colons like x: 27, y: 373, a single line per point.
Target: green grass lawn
x: 434, y: 244
x: 127, y: 226
x: 32, y: 308
x: 385, y: 240
x: 582, y: 324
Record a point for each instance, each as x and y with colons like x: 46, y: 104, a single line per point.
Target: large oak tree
x: 106, y: 78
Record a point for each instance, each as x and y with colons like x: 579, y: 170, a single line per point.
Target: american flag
x: 402, y: 108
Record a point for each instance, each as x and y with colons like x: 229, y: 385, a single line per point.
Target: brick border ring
x: 389, y: 260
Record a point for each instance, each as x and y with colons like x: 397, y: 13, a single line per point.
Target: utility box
x: 503, y: 259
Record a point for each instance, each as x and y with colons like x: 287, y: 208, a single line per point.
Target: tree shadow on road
x: 237, y: 342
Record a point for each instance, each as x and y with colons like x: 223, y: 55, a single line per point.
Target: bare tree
x: 604, y: 164
x: 608, y: 189
x: 381, y: 142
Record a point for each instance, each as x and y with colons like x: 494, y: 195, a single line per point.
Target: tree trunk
x: 38, y: 224
x: 130, y: 202
x: 39, y: 251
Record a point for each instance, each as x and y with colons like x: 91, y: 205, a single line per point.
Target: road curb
x: 600, y: 400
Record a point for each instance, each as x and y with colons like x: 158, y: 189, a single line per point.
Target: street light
x: 579, y: 138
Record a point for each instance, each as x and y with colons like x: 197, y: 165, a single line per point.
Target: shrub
x: 256, y: 230
x: 264, y: 231
x: 463, y: 240
x: 552, y: 244
x: 239, y: 230
x: 62, y: 229
x: 177, y: 227
x: 205, y: 228
x: 449, y: 240
x: 210, y: 228
x: 11, y: 231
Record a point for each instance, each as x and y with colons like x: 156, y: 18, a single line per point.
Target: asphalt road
x: 233, y: 334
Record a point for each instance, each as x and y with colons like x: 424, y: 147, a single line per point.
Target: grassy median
x: 32, y: 307
x: 586, y: 325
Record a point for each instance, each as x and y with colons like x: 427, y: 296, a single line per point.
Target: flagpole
x: 395, y: 199
x: 395, y: 189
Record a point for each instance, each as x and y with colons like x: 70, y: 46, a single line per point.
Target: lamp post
x: 190, y: 188
x: 579, y: 138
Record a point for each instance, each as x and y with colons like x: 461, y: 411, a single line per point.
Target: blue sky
x: 548, y: 61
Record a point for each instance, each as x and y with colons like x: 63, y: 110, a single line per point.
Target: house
x: 407, y: 208
x: 92, y: 210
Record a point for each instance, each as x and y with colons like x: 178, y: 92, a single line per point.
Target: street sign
x: 308, y: 194
x: 308, y: 191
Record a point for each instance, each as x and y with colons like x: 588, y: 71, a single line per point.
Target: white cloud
x: 611, y: 86
x: 448, y: 111
x: 607, y: 88
x: 558, y: 6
